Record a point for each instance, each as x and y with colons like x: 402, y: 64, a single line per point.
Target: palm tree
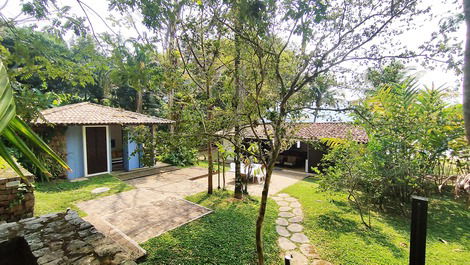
x: 15, y: 132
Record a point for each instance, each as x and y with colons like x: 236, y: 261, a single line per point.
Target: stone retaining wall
x: 62, y: 238
x: 16, y: 199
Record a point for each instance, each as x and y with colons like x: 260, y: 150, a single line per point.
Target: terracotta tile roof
x: 87, y: 113
x: 314, y: 131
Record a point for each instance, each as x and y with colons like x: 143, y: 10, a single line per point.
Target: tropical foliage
x: 16, y: 133
x: 413, y: 145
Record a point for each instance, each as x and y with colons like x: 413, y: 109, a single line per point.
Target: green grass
x: 334, y: 227
x: 205, y: 164
x: 226, y: 236
x: 57, y: 196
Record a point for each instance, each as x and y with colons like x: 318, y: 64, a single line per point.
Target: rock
x: 295, y: 205
x: 298, y: 211
x: 295, y: 228
x: 309, y: 251
x: 286, y: 214
x: 107, y: 250
x: 282, y: 203
x: 297, y: 258
x: 321, y: 262
x: 277, y: 198
x: 88, y: 260
x: 100, y: 190
x: 286, y: 244
x: 290, y: 199
x: 282, y: 221
x: 282, y: 231
x: 299, y: 238
x: 284, y: 209
x: 283, y: 195
x: 296, y: 219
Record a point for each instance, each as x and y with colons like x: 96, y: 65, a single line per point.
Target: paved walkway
x: 157, y: 204
x: 292, y: 240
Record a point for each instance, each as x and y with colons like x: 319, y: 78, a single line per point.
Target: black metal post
x: 419, y: 214
x: 287, y: 259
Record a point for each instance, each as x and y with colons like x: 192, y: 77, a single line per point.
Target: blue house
x: 96, y: 139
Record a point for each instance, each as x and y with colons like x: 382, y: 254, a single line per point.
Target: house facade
x: 95, y: 137
x: 305, y: 150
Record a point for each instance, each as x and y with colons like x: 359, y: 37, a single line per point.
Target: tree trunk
x: 223, y: 172
x: 466, y: 71
x: 210, y: 167
x: 171, y: 47
x: 218, y: 170
x: 138, y: 101
x: 262, y: 208
x: 238, y: 178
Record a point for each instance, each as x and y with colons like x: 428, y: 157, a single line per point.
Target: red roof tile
x: 89, y: 113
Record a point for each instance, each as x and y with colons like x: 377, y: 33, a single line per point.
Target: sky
x: 437, y: 77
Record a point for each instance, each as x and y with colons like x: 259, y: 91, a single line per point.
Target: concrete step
x: 144, y: 172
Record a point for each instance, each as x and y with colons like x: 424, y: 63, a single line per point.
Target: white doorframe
x: 108, y: 150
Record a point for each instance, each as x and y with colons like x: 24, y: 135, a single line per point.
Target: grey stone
x: 321, y: 262
x: 299, y: 238
x: 283, y: 195
x: 284, y: 209
x: 107, y: 250
x: 298, y: 211
x: 286, y: 244
x: 85, y: 225
x: 50, y: 256
x: 295, y: 205
x: 298, y: 258
x: 88, y: 260
x: 56, y: 262
x: 35, y: 245
x: 286, y: 214
x: 75, y: 244
x: 296, y: 219
x: 277, y: 198
x: 295, y: 228
x: 32, y: 226
x: 100, y: 190
x: 282, y: 231
x: 282, y: 203
x: 309, y: 251
x: 282, y: 221
x: 290, y: 199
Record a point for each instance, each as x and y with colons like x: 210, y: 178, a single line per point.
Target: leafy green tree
x: 14, y: 132
x: 410, y: 132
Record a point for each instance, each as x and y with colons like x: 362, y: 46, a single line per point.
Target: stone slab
x: 282, y: 221
x: 282, y: 231
x: 295, y: 228
x: 286, y: 244
x: 286, y: 214
x: 100, y: 190
x: 284, y: 209
x: 299, y: 238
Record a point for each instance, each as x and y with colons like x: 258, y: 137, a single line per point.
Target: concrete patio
x: 157, y: 204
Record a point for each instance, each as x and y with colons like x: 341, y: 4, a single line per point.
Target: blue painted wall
x: 74, y: 143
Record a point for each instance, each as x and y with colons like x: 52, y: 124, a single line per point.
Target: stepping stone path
x: 292, y: 240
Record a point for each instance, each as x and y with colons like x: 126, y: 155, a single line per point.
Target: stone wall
x: 63, y: 238
x: 16, y: 198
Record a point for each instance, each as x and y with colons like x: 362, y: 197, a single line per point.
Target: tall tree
x: 334, y: 33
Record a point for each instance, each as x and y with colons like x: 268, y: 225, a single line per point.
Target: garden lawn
x: 57, y: 196
x: 334, y: 227
x: 226, y: 236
